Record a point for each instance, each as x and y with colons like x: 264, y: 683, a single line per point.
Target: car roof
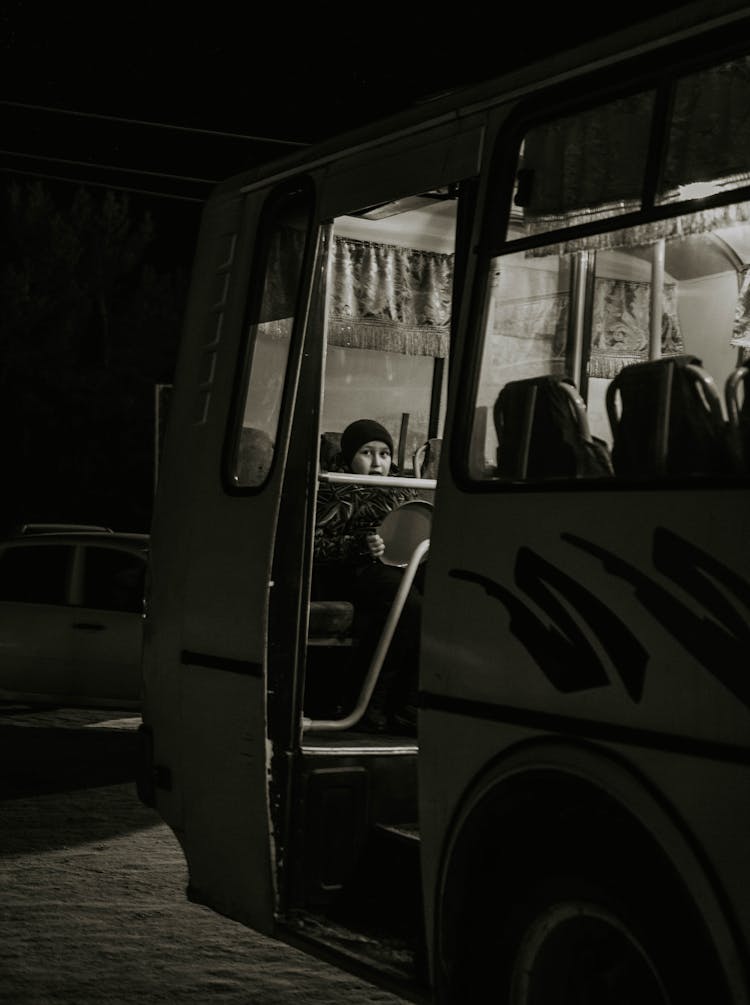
x: 108, y: 538
x: 49, y: 528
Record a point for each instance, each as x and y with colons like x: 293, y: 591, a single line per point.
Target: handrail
x: 579, y: 407
x: 377, y: 481
x: 373, y: 671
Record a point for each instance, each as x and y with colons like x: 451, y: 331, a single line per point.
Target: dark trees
x: 88, y: 327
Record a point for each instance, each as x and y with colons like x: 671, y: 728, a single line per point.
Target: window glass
x: 648, y: 331
x: 582, y: 167
x: 283, y: 238
x: 113, y: 580
x: 709, y: 133
x: 34, y: 574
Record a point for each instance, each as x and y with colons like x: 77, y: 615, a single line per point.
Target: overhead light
x: 699, y: 189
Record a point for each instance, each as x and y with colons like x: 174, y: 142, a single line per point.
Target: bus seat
x: 330, y: 447
x: 543, y: 431
x: 666, y: 419
x: 427, y: 459
x: 330, y: 623
x: 737, y: 403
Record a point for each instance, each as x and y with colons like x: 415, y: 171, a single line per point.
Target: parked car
x: 71, y: 616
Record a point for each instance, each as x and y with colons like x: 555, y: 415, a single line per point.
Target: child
x: 347, y: 566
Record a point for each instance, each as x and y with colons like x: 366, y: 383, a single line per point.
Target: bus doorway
x: 354, y: 832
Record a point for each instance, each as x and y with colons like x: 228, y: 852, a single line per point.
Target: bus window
x: 583, y: 167
x: 608, y: 351
x: 269, y: 333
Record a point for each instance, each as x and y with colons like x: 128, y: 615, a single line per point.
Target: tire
x: 572, y: 949
x: 569, y: 941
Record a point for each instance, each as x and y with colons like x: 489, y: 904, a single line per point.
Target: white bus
x: 541, y: 287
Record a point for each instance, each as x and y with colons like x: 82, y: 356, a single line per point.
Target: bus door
x: 213, y: 531
x: 381, y: 348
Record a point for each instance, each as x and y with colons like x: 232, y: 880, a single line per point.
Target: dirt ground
x: 92, y: 886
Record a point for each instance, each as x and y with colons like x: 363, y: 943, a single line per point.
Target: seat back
x: 666, y: 419
x: 427, y: 459
x: 330, y: 448
x: 738, y: 411
x: 543, y: 431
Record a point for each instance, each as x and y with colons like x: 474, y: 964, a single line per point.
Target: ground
x: 92, y: 885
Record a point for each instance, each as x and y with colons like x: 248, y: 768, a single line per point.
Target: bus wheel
x: 573, y: 950
x: 563, y: 939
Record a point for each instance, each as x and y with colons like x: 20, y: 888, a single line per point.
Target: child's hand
x: 375, y: 545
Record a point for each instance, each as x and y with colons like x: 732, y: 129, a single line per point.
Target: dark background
x: 116, y: 123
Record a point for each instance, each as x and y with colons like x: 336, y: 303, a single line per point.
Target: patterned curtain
x: 709, y: 133
x: 621, y: 324
x: 591, y: 165
x: 536, y: 327
x: 741, y: 327
x: 382, y: 296
x: 585, y: 167
x: 390, y: 298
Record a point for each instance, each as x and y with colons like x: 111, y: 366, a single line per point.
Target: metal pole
x: 657, y: 299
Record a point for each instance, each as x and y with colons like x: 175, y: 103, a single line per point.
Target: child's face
x: 373, y: 458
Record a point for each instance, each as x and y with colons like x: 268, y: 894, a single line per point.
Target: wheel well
x: 541, y: 824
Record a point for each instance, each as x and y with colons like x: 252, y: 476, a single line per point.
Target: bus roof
x: 640, y: 38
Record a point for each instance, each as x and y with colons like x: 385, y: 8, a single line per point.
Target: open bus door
x: 235, y: 758
x: 204, y: 728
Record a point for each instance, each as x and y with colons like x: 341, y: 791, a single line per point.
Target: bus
x: 540, y: 286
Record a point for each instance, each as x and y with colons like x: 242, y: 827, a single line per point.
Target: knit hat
x: 360, y: 432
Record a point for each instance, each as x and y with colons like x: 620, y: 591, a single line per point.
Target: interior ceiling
x: 428, y: 228
x: 700, y: 255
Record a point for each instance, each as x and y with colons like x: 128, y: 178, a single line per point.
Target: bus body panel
x: 445, y: 153
x: 544, y: 624
x: 569, y: 618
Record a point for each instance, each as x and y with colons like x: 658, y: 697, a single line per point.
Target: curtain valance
x: 390, y: 298
x: 381, y: 296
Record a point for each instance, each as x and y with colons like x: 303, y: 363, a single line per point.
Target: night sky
x: 297, y: 74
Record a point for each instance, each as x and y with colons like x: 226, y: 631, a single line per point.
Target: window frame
x: 645, y: 72
x: 302, y: 187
